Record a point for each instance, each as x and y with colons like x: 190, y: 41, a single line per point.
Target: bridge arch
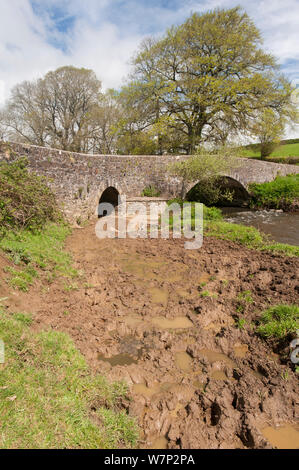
x: 239, y: 191
x: 110, y: 195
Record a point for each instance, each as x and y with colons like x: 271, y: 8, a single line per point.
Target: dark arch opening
x: 111, y: 196
x: 239, y: 194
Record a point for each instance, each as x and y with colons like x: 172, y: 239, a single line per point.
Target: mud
x: 137, y: 313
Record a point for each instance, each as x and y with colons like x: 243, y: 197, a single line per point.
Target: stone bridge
x: 81, y: 181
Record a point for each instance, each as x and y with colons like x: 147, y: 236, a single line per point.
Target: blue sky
x: 40, y: 35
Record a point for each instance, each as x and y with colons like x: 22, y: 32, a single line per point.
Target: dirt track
x: 163, y: 318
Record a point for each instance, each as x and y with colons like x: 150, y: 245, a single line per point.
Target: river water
x: 282, y: 227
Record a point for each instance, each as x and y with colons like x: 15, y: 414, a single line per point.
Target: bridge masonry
x: 79, y: 179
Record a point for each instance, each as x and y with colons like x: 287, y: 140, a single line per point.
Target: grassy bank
x: 37, y: 253
x: 215, y: 226
x: 247, y: 236
x: 287, y: 152
x: 281, y: 193
x: 47, y: 394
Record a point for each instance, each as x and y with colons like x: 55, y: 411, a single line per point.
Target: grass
x: 247, y: 236
x: 282, y: 153
x: 34, y: 251
x: 206, y: 293
x: 215, y: 226
x: 241, y: 323
x: 47, y: 393
x: 278, y: 321
x: 279, y: 193
x: 245, y: 297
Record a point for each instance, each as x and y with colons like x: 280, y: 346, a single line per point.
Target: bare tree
x: 57, y: 110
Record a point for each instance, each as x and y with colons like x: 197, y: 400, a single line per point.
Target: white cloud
x: 105, y: 33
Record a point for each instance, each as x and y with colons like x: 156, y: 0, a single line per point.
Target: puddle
x: 240, y: 350
x: 183, y: 361
x: 198, y: 385
x: 118, y: 359
x: 167, y: 386
x: 175, y: 323
x: 142, y: 389
x: 133, y: 321
x: 213, y: 356
x: 219, y: 375
x: 159, y: 296
x: 160, y: 443
x: 150, y: 269
x: 282, y: 437
x: 162, y: 322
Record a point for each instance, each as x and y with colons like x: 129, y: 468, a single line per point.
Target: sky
x: 40, y: 35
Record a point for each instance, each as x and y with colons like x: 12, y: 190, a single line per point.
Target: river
x: 282, y: 227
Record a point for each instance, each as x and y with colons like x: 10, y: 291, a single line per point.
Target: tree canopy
x: 204, y: 81
x: 207, y: 80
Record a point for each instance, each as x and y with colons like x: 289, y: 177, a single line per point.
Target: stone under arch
x: 239, y: 191
x: 111, y: 196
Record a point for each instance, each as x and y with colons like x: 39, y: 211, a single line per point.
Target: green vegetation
x: 240, y: 323
x: 25, y: 199
x: 247, y: 236
x: 32, y: 228
x: 214, y: 226
x: 150, y: 191
x: 35, y: 251
x: 286, y: 152
x: 279, y: 321
x: 187, y: 87
x: 206, y: 168
x: 245, y: 297
x: 206, y: 293
x: 50, y: 399
x: 279, y: 193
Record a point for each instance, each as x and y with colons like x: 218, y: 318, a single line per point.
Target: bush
x: 280, y: 193
x: 25, y: 199
x: 207, y: 168
x: 150, y: 191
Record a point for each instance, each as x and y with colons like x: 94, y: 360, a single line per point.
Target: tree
x: 206, y: 79
x: 206, y: 168
x: 55, y: 110
x: 269, y: 129
x: 103, y: 124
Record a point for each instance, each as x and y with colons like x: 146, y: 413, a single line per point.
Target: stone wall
x: 80, y: 179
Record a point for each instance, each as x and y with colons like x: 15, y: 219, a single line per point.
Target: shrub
x: 25, y: 199
x: 150, y: 191
x: 281, y: 192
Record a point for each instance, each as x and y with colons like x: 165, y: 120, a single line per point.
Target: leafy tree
x: 204, y: 80
x: 55, y: 110
x: 206, y: 168
x: 269, y: 129
x: 103, y: 124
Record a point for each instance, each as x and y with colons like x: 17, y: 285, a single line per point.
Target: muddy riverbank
x: 166, y: 321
